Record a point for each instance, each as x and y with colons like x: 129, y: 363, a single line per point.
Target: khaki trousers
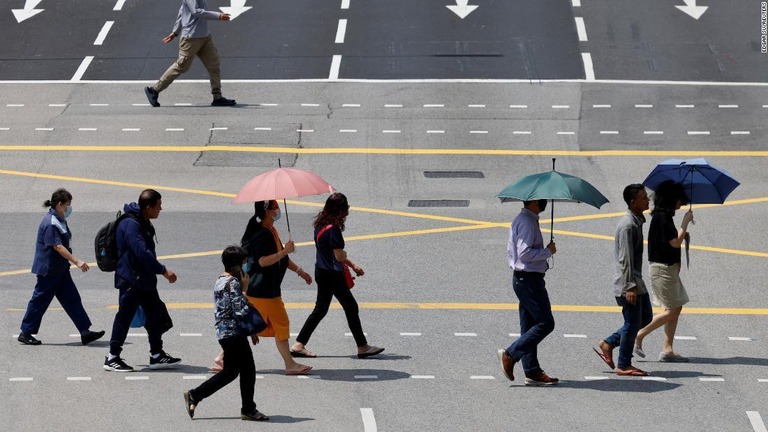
x: 188, y: 49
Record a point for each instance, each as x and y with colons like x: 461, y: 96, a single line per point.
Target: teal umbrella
x: 553, y: 186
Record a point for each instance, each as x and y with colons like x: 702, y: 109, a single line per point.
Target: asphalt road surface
x: 420, y: 117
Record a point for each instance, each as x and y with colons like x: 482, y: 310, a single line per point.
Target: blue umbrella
x: 702, y: 182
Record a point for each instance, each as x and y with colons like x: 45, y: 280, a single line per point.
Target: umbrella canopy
x: 702, y: 182
x: 282, y: 183
x: 555, y: 186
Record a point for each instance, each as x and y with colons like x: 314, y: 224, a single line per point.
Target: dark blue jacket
x: 137, y: 265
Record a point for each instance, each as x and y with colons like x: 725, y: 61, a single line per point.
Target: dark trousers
x: 238, y: 360
x: 536, y: 320
x: 63, y: 288
x: 332, y: 284
x: 130, y: 299
x: 636, y: 317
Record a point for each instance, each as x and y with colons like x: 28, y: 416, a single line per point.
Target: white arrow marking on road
x: 237, y: 8
x: 28, y: 12
x: 462, y: 8
x: 691, y: 9
x: 369, y: 421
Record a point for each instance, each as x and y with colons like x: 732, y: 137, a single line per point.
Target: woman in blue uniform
x: 51, y: 265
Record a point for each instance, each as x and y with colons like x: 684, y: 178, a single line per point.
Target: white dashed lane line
x: 310, y: 104
x: 482, y: 377
x: 684, y: 106
x: 756, y: 421
x: 602, y: 106
x: 87, y: 129
x: 422, y: 377
x: 739, y: 339
x: 393, y: 106
x: 366, y: 377
x: 575, y: 336
x: 103, y: 33
x: 653, y: 132
x: 78, y: 378
x: 341, y: 31
x: 560, y: 106
x: 698, y: 132
x: 435, y: 131
x: 711, y: 379
x: 410, y: 334
x: 174, y: 129
x: 369, y: 420
x: 350, y: 105
x: 262, y: 128
x: 190, y: 334
x: 20, y: 379
x: 15, y: 105
x: 581, y: 29
x: 82, y: 68
x: 643, y: 106
x: 137, y: 378
x: 391, y: 131
x: 434, y: 105
x: 335, y: 67
x: 119, y: 5
x: 518, y: 106
x: 465, y: 334
x: 727, y: 106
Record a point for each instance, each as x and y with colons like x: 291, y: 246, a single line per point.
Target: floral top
x: 229, y: 306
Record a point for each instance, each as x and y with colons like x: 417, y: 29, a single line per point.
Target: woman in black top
x: 664, y: 241
x: 331, y: 282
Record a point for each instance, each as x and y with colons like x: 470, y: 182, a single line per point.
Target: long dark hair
x: 666, y: 196
x: 259, y: 212
x: 59, y: 196
x: 334, y: 212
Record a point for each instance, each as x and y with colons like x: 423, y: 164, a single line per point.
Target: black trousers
x: 332, y: 284
x: 238, y: 360
x: 158, y: 321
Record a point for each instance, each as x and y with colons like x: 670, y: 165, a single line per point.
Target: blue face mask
x: 278, y: 215
x: 68, y: 213
x: 246, y: 266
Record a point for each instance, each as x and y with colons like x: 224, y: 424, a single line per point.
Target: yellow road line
x: 471, y: 306
x: 382, y: 151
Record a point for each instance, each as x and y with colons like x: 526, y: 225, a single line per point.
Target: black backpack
x: 106, y: 244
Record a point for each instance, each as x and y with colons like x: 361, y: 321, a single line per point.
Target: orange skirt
x: 274, y: 314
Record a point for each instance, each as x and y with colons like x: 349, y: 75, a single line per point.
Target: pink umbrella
x: 282, y: 183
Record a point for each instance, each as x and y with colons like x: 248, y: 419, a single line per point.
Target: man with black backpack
x: 136, y: 278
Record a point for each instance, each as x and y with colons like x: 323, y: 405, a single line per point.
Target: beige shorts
x: 668, y: 290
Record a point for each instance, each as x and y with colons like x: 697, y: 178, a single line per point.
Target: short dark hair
x: 59, y: 196
x: 666, y: 196
x: 233, y: 256
x: 148, y: 198
x: 631, y: 192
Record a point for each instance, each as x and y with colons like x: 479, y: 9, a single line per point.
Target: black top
x: 662, y: 230
x: 330, y: 239
x: 265, y: 281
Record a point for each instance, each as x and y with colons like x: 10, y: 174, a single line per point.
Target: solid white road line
x: 581, y: 29
x: 410, y: 334
x: 119, y: 5
x: 369, y: 421
x: 711, y: 379
x: 103, y: 33
x: 345, y: 4
x: 335, y: 66
x: 20, y: 379
x: 756, y: 421
x: 589, y: 68
x: 341, y: 31
x: 81, y: 70
x: 740, y: 339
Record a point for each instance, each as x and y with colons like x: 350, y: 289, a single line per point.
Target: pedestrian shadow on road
x: 380, y: 357
x: 739, y: 361
x: 272, y: 419
x: 183, y: 369
x: 358, y: 375
x: 623, y: 385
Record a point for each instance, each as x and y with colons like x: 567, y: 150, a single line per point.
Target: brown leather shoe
x: 507, y: 364
x: 541, y: 379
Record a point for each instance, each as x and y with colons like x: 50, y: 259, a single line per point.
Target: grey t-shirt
x: 192, y: 21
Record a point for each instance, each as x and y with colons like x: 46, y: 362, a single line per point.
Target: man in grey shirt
x: 195, y: 40
x: 629, y: 288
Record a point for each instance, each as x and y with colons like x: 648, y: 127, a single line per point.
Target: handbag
x: 348, y: 278
x: 251, y: 323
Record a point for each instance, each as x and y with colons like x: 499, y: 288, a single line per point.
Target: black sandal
x: 255, y: 415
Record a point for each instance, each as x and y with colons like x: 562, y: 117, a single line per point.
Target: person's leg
x: 247, y: 377
x: 45, y: 290
x: 233, y: 359
x: 670, y: 327
x: 210, y: 58
x: 69, y: 298
x: 156, y: 315
x: 657, y: 321
x: 187, y: 51
x: 281, y: 324
x: 128, y: 303
x: 323, y: 302
x: 532, y: 294
x: 351, y: 311
x: 632, y: 322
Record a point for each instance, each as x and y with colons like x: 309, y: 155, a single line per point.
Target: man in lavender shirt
x: 195, y: 41
x: 528, y: 260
